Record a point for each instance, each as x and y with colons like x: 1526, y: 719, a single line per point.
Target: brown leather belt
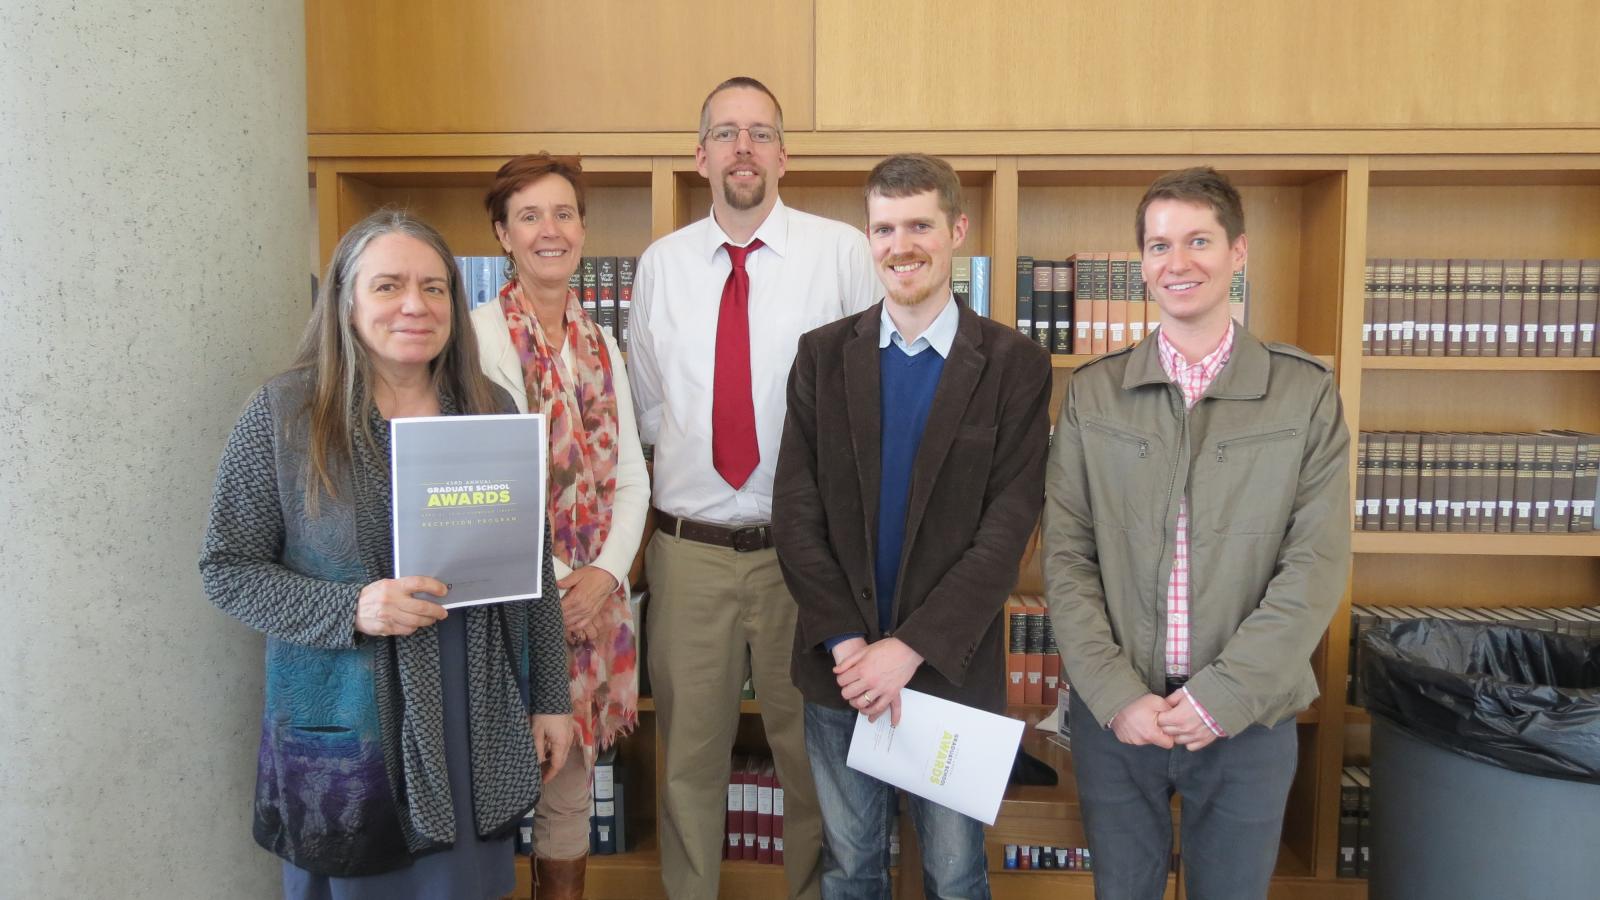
x: 744, y: 539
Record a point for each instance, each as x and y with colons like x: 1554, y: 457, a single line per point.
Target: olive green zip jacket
x: 1263, y: 459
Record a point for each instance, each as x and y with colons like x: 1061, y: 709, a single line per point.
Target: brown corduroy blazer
x: 976, y: 490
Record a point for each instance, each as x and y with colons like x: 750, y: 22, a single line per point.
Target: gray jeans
x: 1233, y: 797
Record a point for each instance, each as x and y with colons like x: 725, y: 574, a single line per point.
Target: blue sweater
x: 907, y: 385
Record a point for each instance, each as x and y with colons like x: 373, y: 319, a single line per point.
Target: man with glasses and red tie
x: 718, y: 309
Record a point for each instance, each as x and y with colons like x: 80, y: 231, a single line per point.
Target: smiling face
x: 912, y: 243
x: 401, y: 306
x: 743, y: 174
x: 543, y: 232
x: 1189, y: 261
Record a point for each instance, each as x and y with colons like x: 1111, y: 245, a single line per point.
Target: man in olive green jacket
x: 1196, y: 543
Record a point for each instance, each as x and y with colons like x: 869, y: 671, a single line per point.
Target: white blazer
x: 499, y: 360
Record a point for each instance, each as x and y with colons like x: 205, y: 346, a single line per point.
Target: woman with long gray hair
x: 400, y: 744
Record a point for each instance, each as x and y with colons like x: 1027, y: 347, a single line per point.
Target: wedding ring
x: 867, y: 697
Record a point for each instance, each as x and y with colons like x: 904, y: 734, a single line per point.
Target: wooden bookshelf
x: 746, y: 707
x: 1318, y: 204
x: 1070, y: 360
x: 1517, y: 205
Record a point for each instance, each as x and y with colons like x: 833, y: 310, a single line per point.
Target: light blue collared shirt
x: 940, y: 335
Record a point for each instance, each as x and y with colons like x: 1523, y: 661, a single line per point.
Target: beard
x: 744, y: 198
x: 911, y: 295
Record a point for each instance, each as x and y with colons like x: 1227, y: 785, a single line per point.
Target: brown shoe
x: 559, y: 879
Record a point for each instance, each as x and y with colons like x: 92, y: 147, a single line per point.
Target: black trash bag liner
x: 1528, y: 701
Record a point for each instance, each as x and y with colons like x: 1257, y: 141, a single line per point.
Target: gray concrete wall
x: 152, y: 273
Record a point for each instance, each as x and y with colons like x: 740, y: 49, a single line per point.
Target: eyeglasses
x: 727, y: 134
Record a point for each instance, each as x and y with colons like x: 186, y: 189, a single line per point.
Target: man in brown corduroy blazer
x: 909, y: 479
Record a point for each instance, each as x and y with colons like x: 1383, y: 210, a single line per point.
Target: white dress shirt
x: 810, y: 271
x: 501, y: 363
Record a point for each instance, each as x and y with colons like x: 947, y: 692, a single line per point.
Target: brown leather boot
x: 559, y: 879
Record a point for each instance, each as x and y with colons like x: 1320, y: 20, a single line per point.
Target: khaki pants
x: 709, y: 608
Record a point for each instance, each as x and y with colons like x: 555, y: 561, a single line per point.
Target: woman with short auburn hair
x: 536, y: 341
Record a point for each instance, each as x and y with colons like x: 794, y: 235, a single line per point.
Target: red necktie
x: 734, y: 451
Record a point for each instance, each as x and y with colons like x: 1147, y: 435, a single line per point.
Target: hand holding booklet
x: 469, y: 499
x: 954, y: 755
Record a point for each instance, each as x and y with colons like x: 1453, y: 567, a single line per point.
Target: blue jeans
x: 855, y: 825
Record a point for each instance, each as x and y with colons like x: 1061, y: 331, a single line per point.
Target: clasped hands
x: 870, y: 676
x: 584, y: 594
x: 1164, y: 722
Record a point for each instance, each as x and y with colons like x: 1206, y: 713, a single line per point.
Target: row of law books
x: 1513, y: 482
x: 1480, y: 307
x: 1582, y: 622
x: 1355, y: 816
x: 1095, y: 302
x: 604, y: 285
x: 1029, y: 856
x: 482, y: 277
x: 1033, y: 662
x: 755, y: 812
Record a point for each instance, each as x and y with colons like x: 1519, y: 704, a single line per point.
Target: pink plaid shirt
x: 1193, y: 380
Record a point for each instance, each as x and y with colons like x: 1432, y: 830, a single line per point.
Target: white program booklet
x: 952, y: 754
x: 469, y: 498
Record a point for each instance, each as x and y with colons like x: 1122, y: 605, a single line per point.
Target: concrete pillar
x: 153, y: 272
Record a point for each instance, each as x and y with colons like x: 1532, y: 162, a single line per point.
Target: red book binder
x: 735, y: 825
x: 777, y: 820
x: 1033, y: 683
x: 764, y: 813
x: 747, y: 778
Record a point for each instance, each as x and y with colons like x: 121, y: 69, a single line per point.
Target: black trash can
x: 1485, y: 762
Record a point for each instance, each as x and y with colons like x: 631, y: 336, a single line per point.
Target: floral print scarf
x: 580, y: 409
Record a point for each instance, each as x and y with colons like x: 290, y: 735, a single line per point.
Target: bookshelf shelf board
x: 1482, y: 363
x: 845, y: 171
x: 1477, y: 544
x: 637, y: 874
x: 746, y: 707
x: 479, y: 173
x: 1139, y: 171
x: 1070, y: 360
x: 1502, y: 171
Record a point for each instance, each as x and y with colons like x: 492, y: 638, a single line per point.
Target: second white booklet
x: 954, y: 755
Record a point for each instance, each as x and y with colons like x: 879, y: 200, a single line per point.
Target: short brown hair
x: 1203, y: 186
x: 521, y: 171
x: 909, y: 174
x: 739, y: 81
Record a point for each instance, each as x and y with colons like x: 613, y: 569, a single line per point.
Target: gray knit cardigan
x: 351, y: 776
